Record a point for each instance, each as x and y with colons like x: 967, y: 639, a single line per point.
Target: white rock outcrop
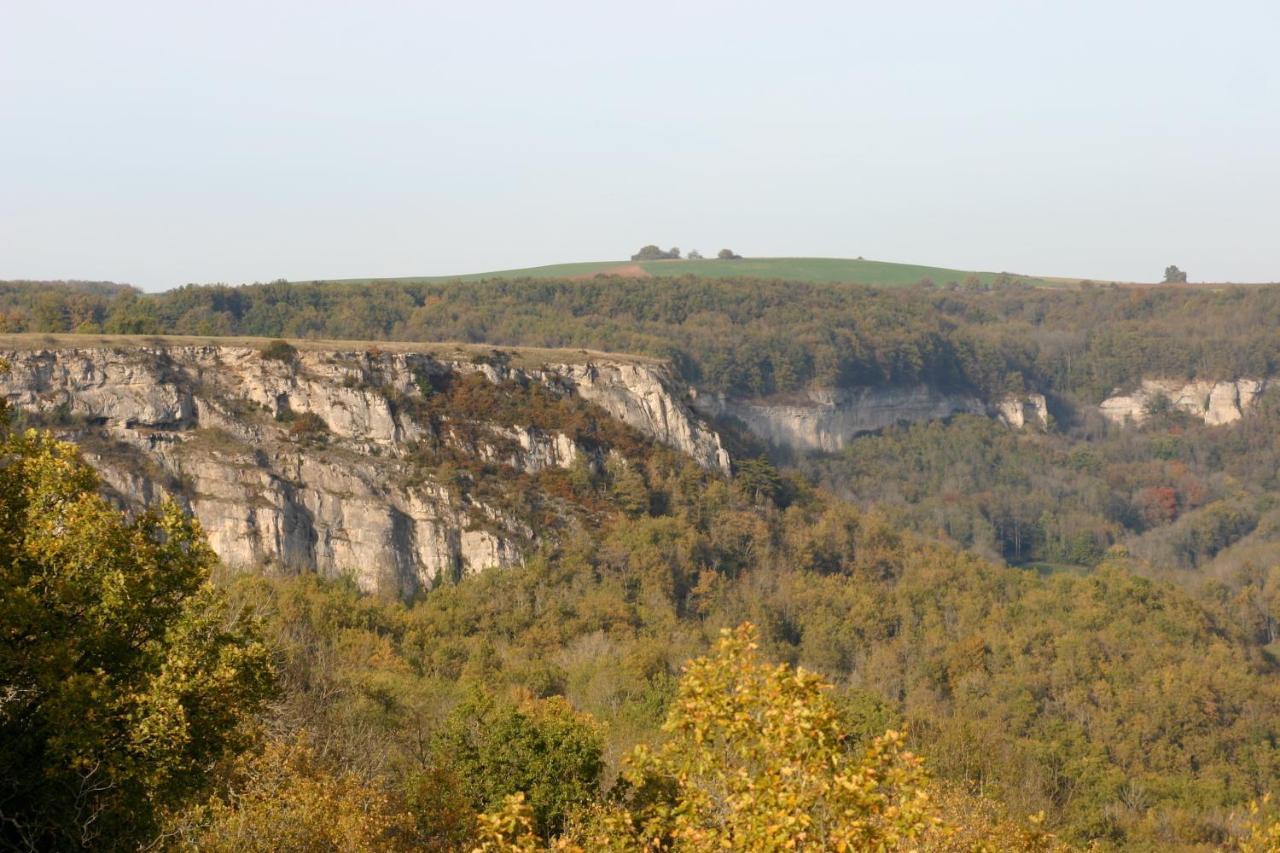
x: 828, y: 419
x: 640, y: 395
x: 208, y: 425
x: 1023, y: 410
x: 1213, y: 402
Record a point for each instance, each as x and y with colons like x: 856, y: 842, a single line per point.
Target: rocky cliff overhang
x: 828, y: 419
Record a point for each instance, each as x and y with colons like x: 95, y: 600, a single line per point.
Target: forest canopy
x: 743, y: 337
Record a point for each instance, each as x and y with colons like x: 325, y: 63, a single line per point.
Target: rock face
x: 1022, y: 411
x: 1213, y: 402
x: 640, y: 395
x: 829, y: 418
x: 304, y: 465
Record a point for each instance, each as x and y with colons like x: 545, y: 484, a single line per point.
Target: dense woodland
x: 1112, y: 708
x: 1192, y: 501
x: 750, y: 338
x: 1016, y: 639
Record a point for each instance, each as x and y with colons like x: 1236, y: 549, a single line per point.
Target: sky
x: 163, y: 143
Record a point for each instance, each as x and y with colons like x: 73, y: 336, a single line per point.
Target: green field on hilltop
x: 816, y: 270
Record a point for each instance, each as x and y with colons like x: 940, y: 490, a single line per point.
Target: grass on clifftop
x: 444, y: 351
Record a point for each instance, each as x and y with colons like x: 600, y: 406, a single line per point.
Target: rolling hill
x: 814, y: 270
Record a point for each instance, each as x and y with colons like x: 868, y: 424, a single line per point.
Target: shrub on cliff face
x: 123, y: 677
x: 308, y: 425
x: 281, y: 351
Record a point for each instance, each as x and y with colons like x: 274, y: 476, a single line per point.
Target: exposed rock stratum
x: 215, y: 427
x: 1215, y: 403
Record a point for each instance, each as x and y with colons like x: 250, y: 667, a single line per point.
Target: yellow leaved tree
x: 285, y: 799
x: 1260, y: 830
x: 755, y: 758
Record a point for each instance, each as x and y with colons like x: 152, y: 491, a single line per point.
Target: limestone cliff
x: 305, y: 463
x: 1213, y: 402
x: 827, y: 419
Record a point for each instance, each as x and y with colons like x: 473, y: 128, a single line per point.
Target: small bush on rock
x: 279, y: 351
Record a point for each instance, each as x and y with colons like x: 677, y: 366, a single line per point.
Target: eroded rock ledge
x: 828, y: 419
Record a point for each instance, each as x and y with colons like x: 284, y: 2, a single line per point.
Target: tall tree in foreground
x: 123, y: 678
x: 757, y: 759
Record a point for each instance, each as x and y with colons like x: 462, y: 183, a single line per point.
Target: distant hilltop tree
x: 694, y: 255
x: 1173, y: 275
x: 653, y: 253
x: 728, y: 255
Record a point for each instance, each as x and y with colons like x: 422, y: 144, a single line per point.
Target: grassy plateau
x: 816, y: 270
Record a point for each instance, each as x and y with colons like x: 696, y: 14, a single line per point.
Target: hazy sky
x: 167, y: 142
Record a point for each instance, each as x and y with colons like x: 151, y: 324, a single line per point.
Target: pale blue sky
x: 166, y: 142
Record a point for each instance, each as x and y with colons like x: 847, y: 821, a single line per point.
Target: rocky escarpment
x: 1213, y: 402
x: 827, y: 419
x: 307, y: 462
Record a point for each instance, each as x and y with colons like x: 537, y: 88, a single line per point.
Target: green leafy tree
x: 759, y: 479
x: 653, y: 253
x: 539, y: 748
x: 627, y: 487
x: 129, y: 315
x: 123, y: 677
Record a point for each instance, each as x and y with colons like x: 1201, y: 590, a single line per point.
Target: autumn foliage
x: 124, y: 677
